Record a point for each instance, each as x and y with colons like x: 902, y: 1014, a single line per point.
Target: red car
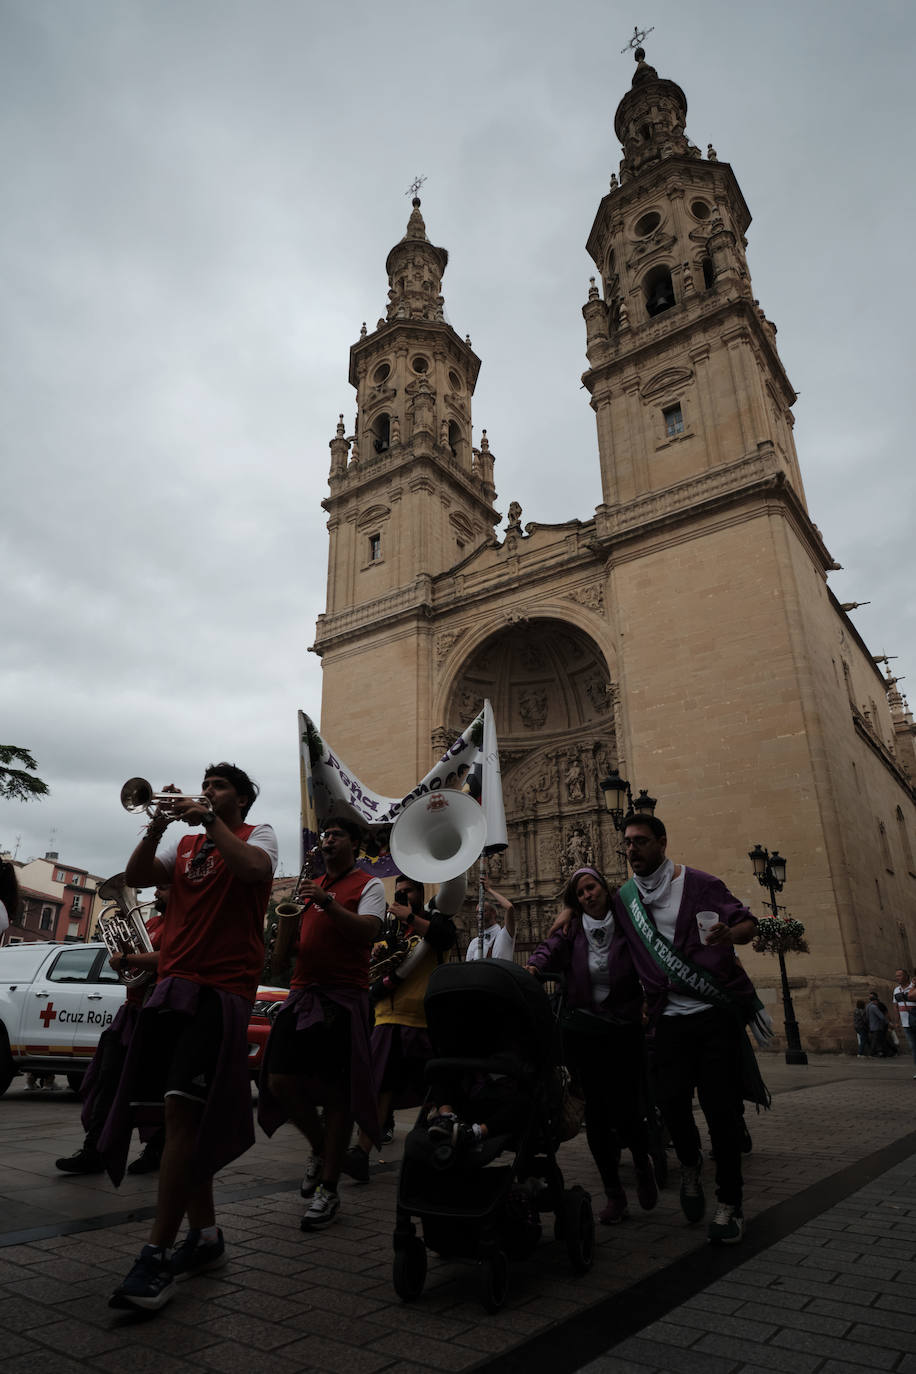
x: 267, y: 1003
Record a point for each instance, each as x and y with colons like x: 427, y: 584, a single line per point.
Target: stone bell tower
x: 410, y: 497
x: 683, y: 371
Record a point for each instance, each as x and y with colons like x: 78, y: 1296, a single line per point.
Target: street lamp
x: 618, y: 799
x: 770, y: 872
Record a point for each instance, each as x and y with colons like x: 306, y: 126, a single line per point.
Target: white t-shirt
x: 901, y: 999
x: 665, y: 918
x: 497, y: 944
x: 599, y: 935
x: 372, y: 900
x: 262, y: 835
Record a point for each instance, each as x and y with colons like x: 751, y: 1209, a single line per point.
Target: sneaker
x: 356, y: 1164
x: 727, y: 1226
x: 149, y: 1285
x: 147, y: 1163
x: 616, y: 1209
x: 646, y: 1187
x: 313, y: 1168
x: 85, y: 1161
x: 324, y: 1208
x: 443, y: 1128
x: 693, y: 1200
x: 192, y: 1257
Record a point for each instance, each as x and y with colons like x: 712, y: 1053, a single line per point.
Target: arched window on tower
x: 709, y: 273
x: 454, y: 438
x: 659, y: 291
x: 381, y: 432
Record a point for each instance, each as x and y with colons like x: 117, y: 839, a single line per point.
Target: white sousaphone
x: 439, y: 836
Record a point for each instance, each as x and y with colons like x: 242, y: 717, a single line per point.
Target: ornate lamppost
x: 618, y: 799
x: 770, y: 872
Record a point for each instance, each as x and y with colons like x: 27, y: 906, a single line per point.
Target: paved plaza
x: 824, y: 1283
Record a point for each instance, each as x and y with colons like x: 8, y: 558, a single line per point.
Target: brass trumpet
x: 137, y: 795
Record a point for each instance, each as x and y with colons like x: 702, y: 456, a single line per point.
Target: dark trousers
x: 702, y: 1052
x: 610, y: 1071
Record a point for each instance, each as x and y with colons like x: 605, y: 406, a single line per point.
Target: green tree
x: 19, y: 784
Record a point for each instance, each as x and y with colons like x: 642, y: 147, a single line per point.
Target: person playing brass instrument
x: 400, y: 1042
x: 104, y: 1073
x: 318, y: 1050
x: 189, y: 1056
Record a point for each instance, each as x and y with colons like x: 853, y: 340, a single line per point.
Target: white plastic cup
x: 705, y: 922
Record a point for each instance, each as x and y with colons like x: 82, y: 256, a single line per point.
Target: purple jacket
x: 567, y: 952
x: 702, y: 892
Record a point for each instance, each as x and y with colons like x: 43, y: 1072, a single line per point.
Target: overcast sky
x: 199, y: 199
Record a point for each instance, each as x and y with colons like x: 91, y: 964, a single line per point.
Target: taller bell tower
x: 410, y: 497
x: 683, y: 371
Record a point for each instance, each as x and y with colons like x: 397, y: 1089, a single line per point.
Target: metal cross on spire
x: 414, y: 187
x: 639, y: 37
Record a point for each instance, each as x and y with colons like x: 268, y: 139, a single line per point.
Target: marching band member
x: 498, y: 939
x: 318, y: 1051
x: 104, y: 1073
x: 190, y: 1050
x: 400, y: 1042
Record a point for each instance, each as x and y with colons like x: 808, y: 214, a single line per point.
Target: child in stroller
x: 480, y: 1164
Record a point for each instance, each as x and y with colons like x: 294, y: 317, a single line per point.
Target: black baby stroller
x: 494, y: 1046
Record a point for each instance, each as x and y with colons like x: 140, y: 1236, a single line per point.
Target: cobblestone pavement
x: 824, y: 1282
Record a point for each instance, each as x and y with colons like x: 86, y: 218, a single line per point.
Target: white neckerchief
x: 655, y: 888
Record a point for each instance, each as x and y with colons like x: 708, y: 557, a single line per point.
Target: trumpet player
x: 188, y: 1057
x: 400, y: 1042
x: 318, y: 1050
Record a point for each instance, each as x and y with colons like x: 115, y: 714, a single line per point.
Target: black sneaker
x: 356, y: 1164
x: 85, y: 1161
x: 147, y: 1163
x: 727, y: 1226
x: 148, y: 1286
x: 192, y: 1257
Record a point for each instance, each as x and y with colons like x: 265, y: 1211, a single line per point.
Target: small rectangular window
x: 674, y: 421
x: 375, y: 547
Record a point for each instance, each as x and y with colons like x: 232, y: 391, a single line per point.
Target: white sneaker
x: 313, y: 1168
x: 324, y: 1208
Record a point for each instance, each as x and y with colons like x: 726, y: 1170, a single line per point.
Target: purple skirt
x: 226, y: 1122
x: 305, y: 1005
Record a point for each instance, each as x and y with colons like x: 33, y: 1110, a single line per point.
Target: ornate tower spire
x: 415, y: 267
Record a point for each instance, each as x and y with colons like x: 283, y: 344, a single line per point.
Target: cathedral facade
x: 684, y: 633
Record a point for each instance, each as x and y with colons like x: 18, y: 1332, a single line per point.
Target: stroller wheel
x: 409, y: 1273
x: 493, y: 1280
x: 578, y: 1229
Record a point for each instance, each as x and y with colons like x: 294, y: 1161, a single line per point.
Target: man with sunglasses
x: 318, y: 1051
x: 400, y: 1042
x: 697, y: 1028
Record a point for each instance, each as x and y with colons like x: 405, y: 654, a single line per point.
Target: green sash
x: 686, y: 977
x: 690, y: 978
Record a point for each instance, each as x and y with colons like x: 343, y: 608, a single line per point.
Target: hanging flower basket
x: 780, y: 935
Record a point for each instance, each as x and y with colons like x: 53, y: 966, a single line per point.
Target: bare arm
x: 503, y: 902
x: 740, y: 934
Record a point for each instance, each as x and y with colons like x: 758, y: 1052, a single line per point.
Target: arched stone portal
x: 553, y: 703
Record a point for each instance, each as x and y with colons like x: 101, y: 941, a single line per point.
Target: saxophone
x: 288, y: 913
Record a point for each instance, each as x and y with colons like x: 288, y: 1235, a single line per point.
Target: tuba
x: 121, y: 927
x: 438, y: 837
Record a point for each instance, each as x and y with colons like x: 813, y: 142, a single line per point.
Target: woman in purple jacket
x: 602, y: 1034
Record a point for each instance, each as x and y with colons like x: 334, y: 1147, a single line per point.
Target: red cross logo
x: 48, y: 1015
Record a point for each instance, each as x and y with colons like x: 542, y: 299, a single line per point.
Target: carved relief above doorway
x: 552, y: 700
